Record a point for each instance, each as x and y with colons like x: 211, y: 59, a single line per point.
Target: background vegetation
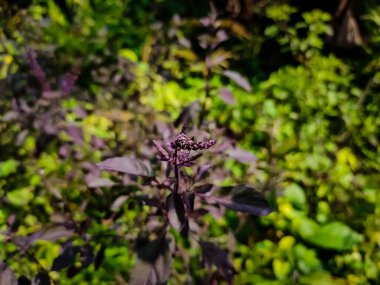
x: 290, y: 90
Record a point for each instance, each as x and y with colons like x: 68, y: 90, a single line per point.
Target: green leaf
x: 128, y: 54
x: 8, y: 167
x: 307, y: 260
x: 335, y: 235
x: 281, y: 268
x: 295, y: 195
x: 20, y: 197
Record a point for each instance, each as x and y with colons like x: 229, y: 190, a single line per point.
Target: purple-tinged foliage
x: 154, y: 264
x: 67, y: 82
x: 127, y: 165
x: 238, y: 79
x: 66, y: 259
x: 164, y: 155
x: 227, y: 96
x: 94, y: 181
x: 181, y: 142
x: 176, y: 213
x: 213, y: 255
x: 240, y: 198
x: 42, y: 278
x: 7, y: 276
x: 177, y: 200
x: 242, y: 155
x: 37, y: 70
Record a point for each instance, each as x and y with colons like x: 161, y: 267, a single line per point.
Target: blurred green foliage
x: 305, y: 103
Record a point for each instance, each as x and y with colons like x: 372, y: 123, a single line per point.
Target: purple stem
x: 176, y: 171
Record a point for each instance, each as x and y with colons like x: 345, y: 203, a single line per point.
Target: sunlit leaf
x: 335, y: 235
x: 8, y: 167
x: 20, y: 197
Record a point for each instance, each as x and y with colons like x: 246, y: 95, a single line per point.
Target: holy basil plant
x: 178, y: 194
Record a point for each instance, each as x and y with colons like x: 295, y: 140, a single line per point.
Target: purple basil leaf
x: 10, y: 116
x: 94, y: 182
x: 76, y: 133
x: 97, y: 142
x: 213, y: 255
x: 168, y: 182
x: 188, y: 199
x: 194, y: 157
x: 36, y: 70
x: 118, y: 203
x: 151, y: 202
x: 188, y: 161
x: 80, y: 112
x: 164, y: 155
x: 127, y: 165
x: 7, y: 276
x: 24, y: 242
x: 203, y: 189
x: 55, y: 233
x: 242, y: 155
x: 188, y: 114
x: 154, y: 264
x: 41, y: 278
x: 51, y: 94
x: 66, y: 259
x: 221, y: 36
x: 48, y: 234
x: 87, y: 255
x: 227, y: 96
x: 241, y: 198
x: 177, y: 213
x: 239, y: 79
x: 64, y: 151
x: 11, y: 219
x: 199, y: 213
x: 217, y: 58
x: 23, y: 106
x: 21, y: 137
x: 164, y: 129
x: 67, y: 82
x: 202, y: 172
x: 91, y: 168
